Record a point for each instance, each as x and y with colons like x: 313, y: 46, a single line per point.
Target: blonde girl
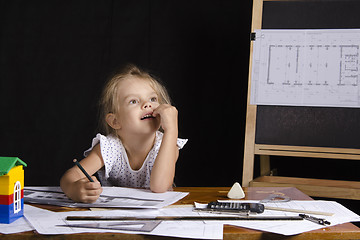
x: 133, y: 152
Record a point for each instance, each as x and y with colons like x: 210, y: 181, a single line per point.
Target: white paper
x: 110, y: 197
x: 341, y: 215
x: 19, y: 225
x: 306, y: 68
x: 188, y: 229
x: 47, y: 222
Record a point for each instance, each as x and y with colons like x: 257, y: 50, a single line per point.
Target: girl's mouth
x: 147, y: 116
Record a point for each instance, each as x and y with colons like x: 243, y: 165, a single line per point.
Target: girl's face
x: 137, y: 101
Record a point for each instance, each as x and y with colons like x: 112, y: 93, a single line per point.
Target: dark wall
x: 56, y: 56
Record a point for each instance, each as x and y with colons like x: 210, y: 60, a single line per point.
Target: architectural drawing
x: 306, y: 68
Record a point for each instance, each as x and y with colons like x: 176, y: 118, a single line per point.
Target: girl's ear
x: 112, y: 121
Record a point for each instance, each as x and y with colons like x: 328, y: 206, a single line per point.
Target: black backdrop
x: 56, y: 55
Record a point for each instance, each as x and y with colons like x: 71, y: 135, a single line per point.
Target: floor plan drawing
x: 306, y: 68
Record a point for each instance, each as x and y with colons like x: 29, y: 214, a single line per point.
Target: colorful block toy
x: 11, y: 189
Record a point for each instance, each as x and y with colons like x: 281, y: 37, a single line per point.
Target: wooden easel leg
x: 264, y: 165
x: 248, y: 170
x: 249, y: 146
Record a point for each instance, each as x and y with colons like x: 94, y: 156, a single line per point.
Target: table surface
x: 205, y: 195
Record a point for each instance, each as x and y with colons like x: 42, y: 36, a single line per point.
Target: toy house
x: 11, y: 189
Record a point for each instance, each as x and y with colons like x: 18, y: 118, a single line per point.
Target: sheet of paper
x: 306, y: 68
x: 110, y: 197
x: 341, y: 215
x: 188, y: 229
x: 19, y: 225
x: 47, y: 222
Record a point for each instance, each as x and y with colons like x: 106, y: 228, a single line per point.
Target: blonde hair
x: 109, y: 97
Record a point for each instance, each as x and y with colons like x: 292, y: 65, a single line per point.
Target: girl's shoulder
x: 107, y: 143
x: 110, y: 140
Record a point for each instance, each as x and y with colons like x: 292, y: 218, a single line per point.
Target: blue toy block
x: 7, y: 214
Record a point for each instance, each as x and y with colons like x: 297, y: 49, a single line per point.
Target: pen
x: 83, y: 170
x: 320, y: 221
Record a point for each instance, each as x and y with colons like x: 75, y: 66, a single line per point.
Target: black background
x: 56, y: 55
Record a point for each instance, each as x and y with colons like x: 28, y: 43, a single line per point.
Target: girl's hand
x: 86, y: 192
x: 168, y: 116
x: 163, y: 171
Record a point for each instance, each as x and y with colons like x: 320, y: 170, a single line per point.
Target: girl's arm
x: 74, y: 183
x: 163, y: 171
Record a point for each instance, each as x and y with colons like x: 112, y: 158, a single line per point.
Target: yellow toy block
x: 8, y: 180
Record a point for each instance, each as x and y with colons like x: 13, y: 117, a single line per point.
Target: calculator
x: 236, y: 207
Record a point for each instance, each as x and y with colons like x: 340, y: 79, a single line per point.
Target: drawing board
x: 301, y: 129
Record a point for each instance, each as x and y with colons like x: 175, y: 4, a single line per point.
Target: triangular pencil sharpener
x: 236, y: 192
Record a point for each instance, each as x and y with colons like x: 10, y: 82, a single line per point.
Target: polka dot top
x: 117, y: 170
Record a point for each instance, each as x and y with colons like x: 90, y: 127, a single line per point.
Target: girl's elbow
x: 159, y: 188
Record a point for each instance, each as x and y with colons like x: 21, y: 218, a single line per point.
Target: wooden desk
x: 206, y: 194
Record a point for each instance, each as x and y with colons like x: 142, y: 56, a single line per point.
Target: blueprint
x: 306, y: 68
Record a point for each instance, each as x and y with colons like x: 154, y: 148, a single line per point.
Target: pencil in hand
x: 83, y: 170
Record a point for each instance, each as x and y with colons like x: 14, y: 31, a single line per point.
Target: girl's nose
x: 147, y: 105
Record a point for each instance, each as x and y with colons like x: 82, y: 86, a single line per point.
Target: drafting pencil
x: 299, y: 211
x: 83, y: 170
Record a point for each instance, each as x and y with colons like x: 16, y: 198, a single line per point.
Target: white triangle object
x: 236, y: 192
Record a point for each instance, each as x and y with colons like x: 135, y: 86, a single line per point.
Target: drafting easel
x: 312, y: 187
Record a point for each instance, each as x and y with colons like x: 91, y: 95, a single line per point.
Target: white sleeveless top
x: 117, y: 170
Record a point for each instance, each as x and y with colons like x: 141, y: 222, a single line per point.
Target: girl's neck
x: 137, y: 148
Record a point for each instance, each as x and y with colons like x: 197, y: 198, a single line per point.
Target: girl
x: 133, y: 153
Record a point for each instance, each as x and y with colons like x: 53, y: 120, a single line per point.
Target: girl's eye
x: 133, y: 101
x: 153, y: 99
